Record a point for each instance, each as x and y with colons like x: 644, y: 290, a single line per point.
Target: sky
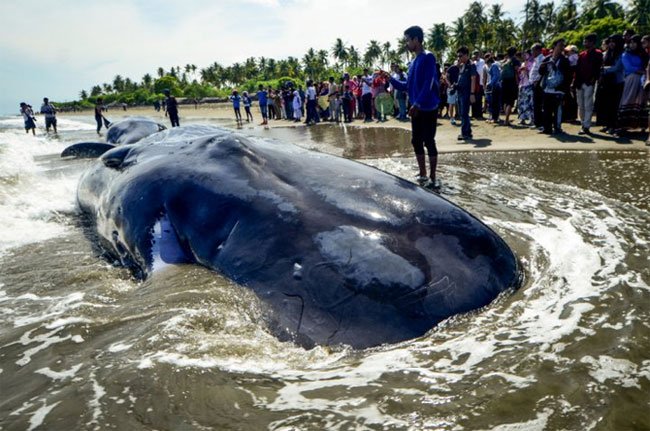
x: 56, y: 49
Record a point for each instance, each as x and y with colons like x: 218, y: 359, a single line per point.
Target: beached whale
x: 125, y: 132
x: 342, y: 253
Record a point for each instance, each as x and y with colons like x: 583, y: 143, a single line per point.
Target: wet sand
x: 487, y: 137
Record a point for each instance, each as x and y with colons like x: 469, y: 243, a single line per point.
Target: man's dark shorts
x: 49, y: 122
x: 423, y: 127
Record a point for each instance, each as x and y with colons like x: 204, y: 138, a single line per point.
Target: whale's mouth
x: 166, y: 248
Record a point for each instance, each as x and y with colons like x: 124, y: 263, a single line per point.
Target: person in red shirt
x: 587, y: 73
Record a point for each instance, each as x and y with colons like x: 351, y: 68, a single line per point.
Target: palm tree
x: 147, y: 80
x: 639, y: 15
x: 96, y: 90
x: 261, y: 64
x: 294, y: 66
x: 595, y: 9
x: 290, y: 67
x: 83, y: 95
x: 161, y: 72
x: 567, y: 16
x: 437, y: 39
x: 547, y: 11
x: 237, y: 73
x: 373, y: 52
x: 474, y: 21
x: 271, y: 67
x: 309, y: 61
x: 118, y: 83
x: 323, y: 58
x: 533, y: 26
x: 129, y: 85
x: 354, y: 58
x: 495, y: 14
x: 208, y: 76
x: 250, y: 68
x: 387, y: 54
x: 459, y: 31
x: 213, y: 74
x: 504, y: 33
x: 402, y: 50
x: 340, y: 52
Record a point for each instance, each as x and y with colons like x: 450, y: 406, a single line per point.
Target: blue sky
x: 56, y: 48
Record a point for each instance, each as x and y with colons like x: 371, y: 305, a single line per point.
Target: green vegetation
x: 480, y: 27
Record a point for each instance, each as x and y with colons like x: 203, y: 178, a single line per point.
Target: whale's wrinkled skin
x: 342, y: 253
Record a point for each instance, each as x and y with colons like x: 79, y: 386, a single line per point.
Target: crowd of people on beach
x: 540, y: 88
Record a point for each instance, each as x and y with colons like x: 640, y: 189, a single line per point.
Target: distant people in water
x: 99, y: 115
x: 235, y: 98
x: 171, y: 106
x: 49, y: 111
x: 28, y: 116
x: 247, y: 106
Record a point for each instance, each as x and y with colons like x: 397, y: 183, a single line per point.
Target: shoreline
x: 487, y: 137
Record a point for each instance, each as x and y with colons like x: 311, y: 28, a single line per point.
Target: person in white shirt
x: 477, y: 107
x: 312, y: 112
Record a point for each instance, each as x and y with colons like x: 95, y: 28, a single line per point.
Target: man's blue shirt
x: 421, y: 83
x: 262, y: 97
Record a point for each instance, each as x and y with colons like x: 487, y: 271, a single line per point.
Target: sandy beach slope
x: 487, y: 137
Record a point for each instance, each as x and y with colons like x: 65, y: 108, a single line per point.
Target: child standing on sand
x: 236, y: 99
x: 247, y: 106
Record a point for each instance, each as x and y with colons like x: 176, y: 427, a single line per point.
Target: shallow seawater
x: 85, y: 346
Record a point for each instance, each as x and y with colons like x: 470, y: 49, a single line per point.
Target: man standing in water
x: 171, y: 108
x: 50, y: 115
x: 422, y: 85
x: 99, y: 116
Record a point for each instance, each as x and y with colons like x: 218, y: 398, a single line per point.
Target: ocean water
x: 83, y: 345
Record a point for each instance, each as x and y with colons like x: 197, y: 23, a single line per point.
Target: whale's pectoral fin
x: 114, y: 158
x: 87, y: 150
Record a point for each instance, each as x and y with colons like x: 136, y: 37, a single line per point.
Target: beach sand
x: 487, y: 137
